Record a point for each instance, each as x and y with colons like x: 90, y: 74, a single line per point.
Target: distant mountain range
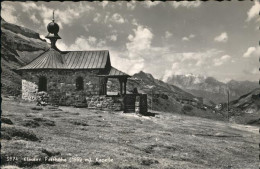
x: 210, y: 88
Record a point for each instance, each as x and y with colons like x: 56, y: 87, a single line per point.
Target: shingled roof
x: 113, y: 72
x: 53, y: 59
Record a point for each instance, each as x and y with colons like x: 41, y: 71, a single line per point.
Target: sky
x: 217, y: 39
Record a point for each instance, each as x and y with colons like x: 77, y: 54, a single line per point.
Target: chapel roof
x: 53, y: 59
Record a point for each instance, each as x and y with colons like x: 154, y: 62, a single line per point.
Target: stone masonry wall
x: 105, y: 103
x: 61, y: 85
x: 29, y: 90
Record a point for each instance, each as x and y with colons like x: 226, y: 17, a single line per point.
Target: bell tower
x: 53, y: 29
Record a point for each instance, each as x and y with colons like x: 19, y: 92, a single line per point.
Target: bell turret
x: 53, y: 29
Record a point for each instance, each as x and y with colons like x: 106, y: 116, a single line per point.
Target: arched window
x: 42, y: 84
x: 79, y: 83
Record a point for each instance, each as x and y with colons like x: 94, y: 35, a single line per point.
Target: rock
x: 37, y: 108
x: 6, y: 120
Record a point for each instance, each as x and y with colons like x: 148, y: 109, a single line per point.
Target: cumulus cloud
x: 43, y: 38
x: 139, y: 42
x: 65, y: 16
x: 83, y: 43
x: 117, y: 18
x: 191, y: 36
x: 7, y: 13
x: 187, y: 4
x: 149, y: 4
x: 223, y: 37
x: 112, y: 37
x: 186, y: 62
x: 253, y: 11
x: 97, y: 18
x: 255, y: 71
x: 104, y: 3
x: 34, y: 19
x: 251, y: 52
x: 220, y: 61
x: 131, y: 5
x: 168, y: 34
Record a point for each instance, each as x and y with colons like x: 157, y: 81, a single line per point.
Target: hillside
x: 246, y: 109
x: 210, y: 88
x: 19, y: 46
x: 101, y: 139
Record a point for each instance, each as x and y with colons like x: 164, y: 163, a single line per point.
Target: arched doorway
x: 42, y: 84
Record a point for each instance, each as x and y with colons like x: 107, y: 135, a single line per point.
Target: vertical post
x: 228, y: 106
x: 125, y: 80
x: 121, y: 87
x: 152, y: 100
x: 105, y: 86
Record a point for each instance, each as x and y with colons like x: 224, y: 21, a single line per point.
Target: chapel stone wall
x: 61, y: 85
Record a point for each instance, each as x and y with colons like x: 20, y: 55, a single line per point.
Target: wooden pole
x: 124, y: 87
x: 152, y: 100
x: 121, y: 87
x: 228, y: 106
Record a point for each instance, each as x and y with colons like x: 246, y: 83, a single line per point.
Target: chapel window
x: 42, y: 84
x: 79, y: 83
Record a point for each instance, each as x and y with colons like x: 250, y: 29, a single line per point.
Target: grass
x: 103, y: 139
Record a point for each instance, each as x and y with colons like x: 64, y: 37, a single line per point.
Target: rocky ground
x: 67, y: 137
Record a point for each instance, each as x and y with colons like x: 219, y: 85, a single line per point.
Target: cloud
x: 186, y: 4
x: 131, y: 5
x: 223, y: 37
x: 221, y: 60
x: 253, y: 11
x: 251, y: 52
x: 168, y: 34
x: 97, y: 18
x: 104, y: 3
x: 64, y: 16
x: 139, y: 42
x: 34, y: 19
x: 127, y: 65
x: 112, y: 37
x: 255, y: 71
x: 185, y: 39
x: 7, y: 13
x: 191, y: 36
x: 43, y: 37
x: 149, y: 4
x: 117, y: 18
x: 83, y: 43
x: 186, y: 62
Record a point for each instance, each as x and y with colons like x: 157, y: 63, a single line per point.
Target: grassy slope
x: 164, y: 141
x: 18, y: 46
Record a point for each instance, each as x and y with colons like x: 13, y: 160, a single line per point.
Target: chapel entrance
x: 42, y: 84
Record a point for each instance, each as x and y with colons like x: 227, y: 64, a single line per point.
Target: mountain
x: 210, y: 88
x: 19, y: 46
x: 166, y: 97
x: 246, y: 109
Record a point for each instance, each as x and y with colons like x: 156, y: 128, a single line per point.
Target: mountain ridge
x: 211, y: 88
